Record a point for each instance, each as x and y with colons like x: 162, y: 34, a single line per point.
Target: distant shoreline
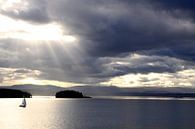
x: 170, y: 95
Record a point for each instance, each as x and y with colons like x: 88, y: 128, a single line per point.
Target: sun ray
x: 21, y: 30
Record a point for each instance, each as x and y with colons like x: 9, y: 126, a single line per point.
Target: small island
x: 12, y: 93
x: 70, y: 94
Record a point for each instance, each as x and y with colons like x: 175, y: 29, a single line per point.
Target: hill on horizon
x: 93, y: 90
x: 37, y: 90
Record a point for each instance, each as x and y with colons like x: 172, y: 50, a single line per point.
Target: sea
x: 98, y: 113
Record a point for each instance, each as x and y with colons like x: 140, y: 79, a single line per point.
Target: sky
x: 126, y: 43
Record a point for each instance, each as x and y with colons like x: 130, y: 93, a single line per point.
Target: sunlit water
x: 101, y: 113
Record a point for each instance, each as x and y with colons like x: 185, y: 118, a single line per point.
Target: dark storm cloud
x: 185, y: 52
x: 113, y: 27
x: 188, y: 5
x: 177, y: 7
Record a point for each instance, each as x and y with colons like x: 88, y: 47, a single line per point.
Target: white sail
x: 23, y: 103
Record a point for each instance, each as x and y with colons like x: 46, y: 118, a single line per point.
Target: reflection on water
x: 48, y: 113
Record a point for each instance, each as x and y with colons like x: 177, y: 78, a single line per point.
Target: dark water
x: 97, y: 114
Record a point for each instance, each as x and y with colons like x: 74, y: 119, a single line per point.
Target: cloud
x: 114, y: 27
x: 155, y: 79
x: 135, y: 63
x: 11, y: 75
x: 184, y: 52
x: 188, y: 5
x: 97, y: 41
x: 33, y: 11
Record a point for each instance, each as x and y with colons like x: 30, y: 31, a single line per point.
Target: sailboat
x: 23, y: 104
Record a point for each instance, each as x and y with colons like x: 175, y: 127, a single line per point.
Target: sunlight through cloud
x: 16, y: 29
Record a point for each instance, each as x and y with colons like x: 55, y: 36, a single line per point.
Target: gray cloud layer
x: 109, y: 32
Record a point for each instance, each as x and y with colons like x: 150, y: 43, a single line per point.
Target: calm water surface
x: 47, y: 113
